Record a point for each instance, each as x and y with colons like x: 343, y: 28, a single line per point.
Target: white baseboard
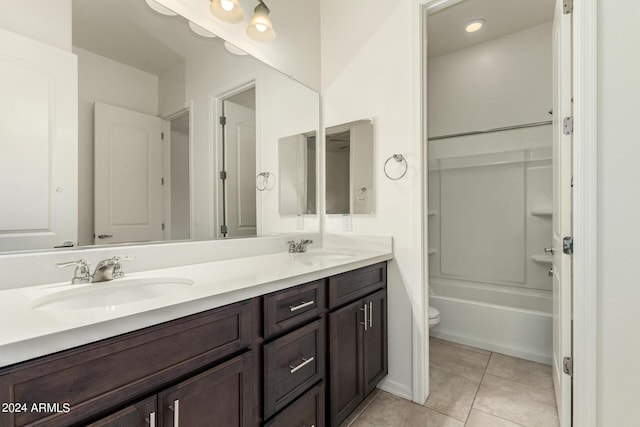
x: 397, y: 389
x: 509, y: 351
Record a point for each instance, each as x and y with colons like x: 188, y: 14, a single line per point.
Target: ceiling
x: 107, y: 28
x: 445, y: 28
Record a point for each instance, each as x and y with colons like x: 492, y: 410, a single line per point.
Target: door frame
x: 166, y: 164
x: 216, y: 108
x: 584, y: 216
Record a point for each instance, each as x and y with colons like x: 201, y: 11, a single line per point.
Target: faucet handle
x: 117, y: 269
x: 81, y: 274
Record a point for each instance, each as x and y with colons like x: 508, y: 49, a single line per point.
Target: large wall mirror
x: 150, y: 129
x: 349, y: 163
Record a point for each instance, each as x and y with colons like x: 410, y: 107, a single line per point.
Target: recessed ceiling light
x: 473, y: 26
x: 200, y: 31
x: 160, y: 8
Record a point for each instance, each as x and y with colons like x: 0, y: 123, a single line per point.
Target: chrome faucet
x: 107, y: 269
x: 298, y: 247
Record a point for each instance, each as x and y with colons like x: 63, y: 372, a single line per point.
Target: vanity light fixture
x: 227, y: 10
x: 473, y: 26
x: 260, y: 28
x: 160, y: 8
x: 235, y: 50
x: 201, y: 31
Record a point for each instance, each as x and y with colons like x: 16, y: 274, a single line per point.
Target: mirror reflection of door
x: 179, y: 224
x: 239, y: 165
x: 128, y: 176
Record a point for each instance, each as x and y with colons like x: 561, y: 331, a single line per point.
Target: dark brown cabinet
x: 357, y: 350
x: 140, y: 414
x: 220, y: 396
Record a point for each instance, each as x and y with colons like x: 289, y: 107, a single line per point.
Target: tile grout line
x: 484, y: 371
x: 365, y: 408
x: 502, y: 418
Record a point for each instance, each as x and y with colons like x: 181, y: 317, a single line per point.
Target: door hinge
x: 567, y: 245
x: 567, y: 126
x: 223, y: 174
x: 224, y: 229
x: 163, y: 226
x: 567, y: 366
x: 567, y: 6
x: 161, y: 181
x: 162, y: 136
x: 223, y: 120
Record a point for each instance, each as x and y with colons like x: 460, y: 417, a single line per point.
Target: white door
x: 562, y: 199
x: 39, y: 145
x: 128, y: 176
x: 240, y: 165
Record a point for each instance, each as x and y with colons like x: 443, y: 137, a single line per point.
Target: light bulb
x: 261, y: 27
x: 474, y: 25
x: 227, y: 5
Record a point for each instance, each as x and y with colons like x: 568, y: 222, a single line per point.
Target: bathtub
x: 508, y: 320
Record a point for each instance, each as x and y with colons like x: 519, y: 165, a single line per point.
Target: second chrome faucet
x: 107, y: 269
x: 298, y: 247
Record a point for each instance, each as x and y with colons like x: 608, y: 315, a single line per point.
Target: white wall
x: 43, y: 20
x: 373, y: 73
x: 502, y: 82
x: 296, y: 49
x: 618, y: 214
x: 104, y: 80
x: 171, y: 96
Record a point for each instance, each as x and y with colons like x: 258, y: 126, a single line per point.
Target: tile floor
x: 469, y: 388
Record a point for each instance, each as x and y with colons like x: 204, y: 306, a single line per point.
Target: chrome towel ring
x: 264, y: 181
x: 399, y: 158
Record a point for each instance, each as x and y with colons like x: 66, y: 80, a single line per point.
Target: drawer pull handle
x: 303, y: 304
x: 366, y: 322
x: 176, y: 412
x: 152, y: 419
x: 304, y: 363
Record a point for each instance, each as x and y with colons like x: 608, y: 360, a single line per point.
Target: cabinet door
x: 221, y: 396
x: 346, y: 358
x: 140, y: 414
x: 375, y: 340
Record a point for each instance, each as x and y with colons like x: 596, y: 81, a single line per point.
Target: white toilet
x: 434, y: 317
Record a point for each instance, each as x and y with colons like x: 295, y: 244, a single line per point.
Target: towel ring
x: 264, y: 181
x: 399, y: 158
x: 361, y: 193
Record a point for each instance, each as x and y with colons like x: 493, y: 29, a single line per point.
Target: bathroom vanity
x: 301, y: 354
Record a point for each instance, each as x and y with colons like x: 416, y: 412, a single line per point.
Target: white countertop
x: 32, y: 332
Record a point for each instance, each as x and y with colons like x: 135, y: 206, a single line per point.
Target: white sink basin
x: 112, y: 293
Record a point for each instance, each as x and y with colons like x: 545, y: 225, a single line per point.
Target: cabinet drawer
x: 286, y: 309
x: 292, y: 364
x: 307, y: 410
x: 347, y: 287
x: 99, y: 376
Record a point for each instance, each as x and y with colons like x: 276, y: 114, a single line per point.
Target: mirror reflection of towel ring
x: 399, y: 158
x: 264, y: 181
x: 361, y: 193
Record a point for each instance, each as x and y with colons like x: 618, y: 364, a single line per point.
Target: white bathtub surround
x: 41, y: 331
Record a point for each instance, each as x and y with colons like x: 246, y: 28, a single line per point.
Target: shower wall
x: 490, y: 195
